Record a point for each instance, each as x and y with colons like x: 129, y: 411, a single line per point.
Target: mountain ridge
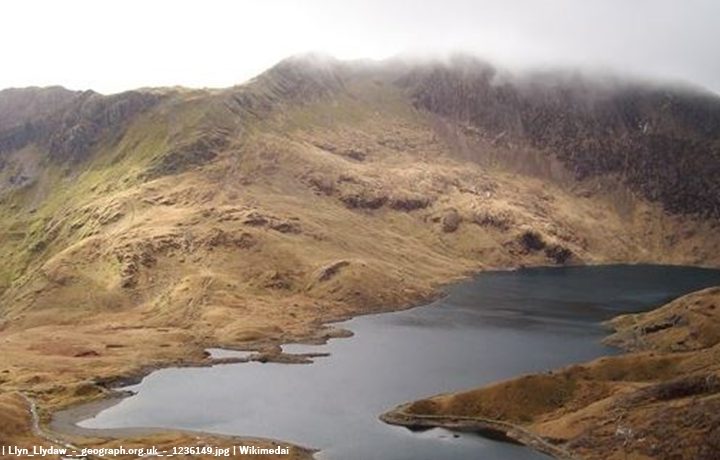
x: 623, y: 127
x: 138, y: 229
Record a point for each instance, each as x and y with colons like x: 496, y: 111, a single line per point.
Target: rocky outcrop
x: 689, y: 323
x: 218, y: 238
x: 298, y: 80
x: 17, y: 137
x: 328, y: 271
x: 303, y: 77
x: 450, y: 221
x: 499, y: 220
x: 558, y: 254
x: 531, y: 241
x: 21, y: 105
x: 409, y: 202
x: 661, y: 142
x: 189, y: 154
x: 92, y: 119
x: 68, y: 124
x: 356, y: 193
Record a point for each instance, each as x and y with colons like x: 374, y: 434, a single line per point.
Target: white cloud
x: 116, y: 45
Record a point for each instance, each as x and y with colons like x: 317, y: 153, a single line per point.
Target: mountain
x: 661, y: 143
x: 138, y: 228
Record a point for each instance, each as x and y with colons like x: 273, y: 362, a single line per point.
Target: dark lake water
x: 496, y: 326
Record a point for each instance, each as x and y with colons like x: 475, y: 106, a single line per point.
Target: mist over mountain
x: 656, y: 39
x: 660, y: 141
x: 138, y: 229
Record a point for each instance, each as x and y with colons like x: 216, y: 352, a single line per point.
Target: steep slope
x: 661, y: 142
x: 138, y: 228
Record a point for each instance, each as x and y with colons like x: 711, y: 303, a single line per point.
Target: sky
x: 111, y: 46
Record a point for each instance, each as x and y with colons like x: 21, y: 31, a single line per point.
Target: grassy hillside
x: 137, y: 229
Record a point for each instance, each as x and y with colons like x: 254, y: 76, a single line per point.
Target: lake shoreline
x: 667, y: 377
x: 490, y: 428
x: 67, y: 424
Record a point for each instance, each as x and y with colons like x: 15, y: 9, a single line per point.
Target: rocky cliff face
x: 20, y: 105
x: 662, y: 142
x: 67, y: 124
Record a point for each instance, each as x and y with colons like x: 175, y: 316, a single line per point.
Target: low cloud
x: 113, y: 46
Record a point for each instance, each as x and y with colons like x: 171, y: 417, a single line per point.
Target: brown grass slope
x: 138, y: 228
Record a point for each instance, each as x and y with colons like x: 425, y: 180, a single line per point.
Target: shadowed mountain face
x: 322, y: 189
x: 66, y: 124
x: 662, y: 142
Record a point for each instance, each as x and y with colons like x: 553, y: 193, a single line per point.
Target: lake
x: 495, y: 326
